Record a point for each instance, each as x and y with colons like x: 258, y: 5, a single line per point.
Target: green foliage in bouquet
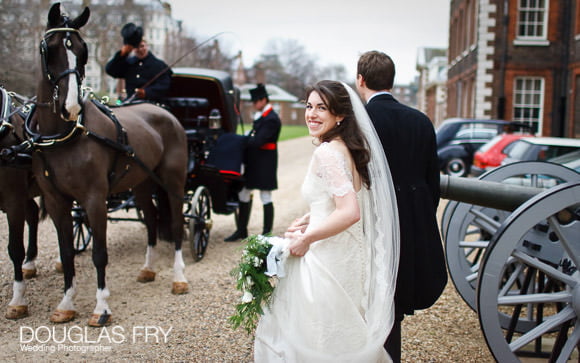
x: 255, y: 285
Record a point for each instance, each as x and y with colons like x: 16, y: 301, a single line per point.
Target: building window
x: 529, y: 101
x: 532, y: 20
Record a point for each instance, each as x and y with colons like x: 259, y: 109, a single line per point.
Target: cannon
x: 512, y: 241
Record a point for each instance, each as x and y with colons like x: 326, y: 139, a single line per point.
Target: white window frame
x: 526, y: 100
x: 529, y: 8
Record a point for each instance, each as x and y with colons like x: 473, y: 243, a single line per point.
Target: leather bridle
x: 78, y: 71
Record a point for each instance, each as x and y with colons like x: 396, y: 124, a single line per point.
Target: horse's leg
x: 96, y: 209
x: 171, y: 203
x: 18, y: 306
x: 29, y: 267
x: 59, y: 210
x: 180, y: 285
x: 143, y: 198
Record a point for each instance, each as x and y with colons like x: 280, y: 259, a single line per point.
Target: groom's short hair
x: 377, y: 70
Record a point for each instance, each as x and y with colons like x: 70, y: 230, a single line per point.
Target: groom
x: 408, y: 139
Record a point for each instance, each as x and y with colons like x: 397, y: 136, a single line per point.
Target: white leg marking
x: 72, y: 96
x: 18, y: 294
x: 67, y: 302
x: 102, y: 305
x: 178, y: 267
x: 149, y: 257
x: 30, y: 265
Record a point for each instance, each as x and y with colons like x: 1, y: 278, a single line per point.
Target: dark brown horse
x: 17, y: 187
x: 82, y: 154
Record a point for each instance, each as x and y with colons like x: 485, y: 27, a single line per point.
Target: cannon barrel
x: 486, y: 193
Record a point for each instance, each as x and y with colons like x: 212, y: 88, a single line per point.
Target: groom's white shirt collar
x: 378, y: 94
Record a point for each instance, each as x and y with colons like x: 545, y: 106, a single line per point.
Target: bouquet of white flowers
x: 262, y: 258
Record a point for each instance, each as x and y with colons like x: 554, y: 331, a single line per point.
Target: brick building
x: 516, y: 60
x: 432, y: 83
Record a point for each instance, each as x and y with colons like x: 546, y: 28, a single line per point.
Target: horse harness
x: 38, y: 143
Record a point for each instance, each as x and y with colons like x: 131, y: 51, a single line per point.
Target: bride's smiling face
x: 318, y: 118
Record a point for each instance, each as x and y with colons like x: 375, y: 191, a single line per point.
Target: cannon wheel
x: 446, y: 216
x: 471, y: 227
x: 540, y: 243
x: 82, y: 232
x: 200, y: 222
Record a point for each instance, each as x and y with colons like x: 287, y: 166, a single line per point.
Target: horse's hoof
x: 58, y: 267
x: 62, y: 316
x: 16, y: 311
x: 98, y: 320
x: 28, y: 273
x: 180, y: 288
x: 146, y: 276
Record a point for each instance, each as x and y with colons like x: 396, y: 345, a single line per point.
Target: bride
x: 336, y: 301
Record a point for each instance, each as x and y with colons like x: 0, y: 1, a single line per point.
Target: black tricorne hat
x: 258, y: 93
x: 132, y: 34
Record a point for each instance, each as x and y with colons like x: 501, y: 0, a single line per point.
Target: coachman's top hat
x: 258, y: 93
x: 132, y: 34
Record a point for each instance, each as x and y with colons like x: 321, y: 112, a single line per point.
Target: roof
x: 203, y: 72
x: 556, y: 141
x: 425, y: 54
x: 275, y: 93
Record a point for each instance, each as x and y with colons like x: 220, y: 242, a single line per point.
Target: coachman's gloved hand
x: 140, y: 92
x: 127, y: 48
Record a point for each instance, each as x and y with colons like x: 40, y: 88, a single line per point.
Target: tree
x: 286, y: 63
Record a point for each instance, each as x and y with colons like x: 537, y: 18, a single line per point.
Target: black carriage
x: 207, y: 105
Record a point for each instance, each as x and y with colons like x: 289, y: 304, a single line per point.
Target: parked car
x: 491, y: 154
x: 540, y: 148
x: 459, y: 138
x: 570, y: 160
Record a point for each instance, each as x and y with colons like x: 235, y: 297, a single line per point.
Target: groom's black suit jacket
x: 408, y: 139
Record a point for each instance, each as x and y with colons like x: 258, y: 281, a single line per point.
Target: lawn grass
x: 286, y: 133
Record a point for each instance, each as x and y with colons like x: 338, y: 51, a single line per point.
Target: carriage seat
x: 192, y: 112
x: 189, y: 102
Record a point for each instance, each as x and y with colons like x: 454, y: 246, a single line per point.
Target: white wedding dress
x: 319, y: 310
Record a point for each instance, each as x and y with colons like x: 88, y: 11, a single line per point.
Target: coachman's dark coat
x: 261, y: 157
x: 408, y: 139
x: 137, y: 72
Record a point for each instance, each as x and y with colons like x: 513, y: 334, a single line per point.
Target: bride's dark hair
x: 337, y: 99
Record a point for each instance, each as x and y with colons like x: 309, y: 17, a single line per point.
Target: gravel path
x: 149, y: 323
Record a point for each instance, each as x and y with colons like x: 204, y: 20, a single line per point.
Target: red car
x: 491, y: 154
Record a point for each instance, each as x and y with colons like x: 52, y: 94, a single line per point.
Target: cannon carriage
x: 513, y: 251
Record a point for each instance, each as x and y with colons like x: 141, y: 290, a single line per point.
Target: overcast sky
x: 333, y: 31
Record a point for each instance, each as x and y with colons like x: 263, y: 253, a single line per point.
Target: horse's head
x: 64, y: 56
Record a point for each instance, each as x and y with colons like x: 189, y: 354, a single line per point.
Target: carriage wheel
x: 82, y: 233
x: 531, y: 272
x: 200, y: 222
x: 471, y: 227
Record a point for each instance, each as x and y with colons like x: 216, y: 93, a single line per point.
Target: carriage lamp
x: 215, y: 119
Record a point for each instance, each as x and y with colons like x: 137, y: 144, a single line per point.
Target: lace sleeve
x: 331, y: 166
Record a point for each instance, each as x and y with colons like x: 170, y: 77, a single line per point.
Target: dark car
x: 458, y: 139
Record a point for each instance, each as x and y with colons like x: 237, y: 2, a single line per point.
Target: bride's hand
x: 299, y: 224
x: 298, y: 245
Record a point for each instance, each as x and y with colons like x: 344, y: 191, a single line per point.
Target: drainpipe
x: 502, y: 64
x: 559, y: 128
